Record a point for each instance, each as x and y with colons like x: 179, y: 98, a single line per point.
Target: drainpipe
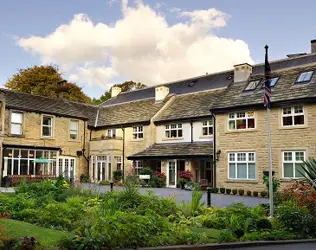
x: 214, y: 149
x: 84, y: 147
x: 191, y: 123
x: 123, y: 153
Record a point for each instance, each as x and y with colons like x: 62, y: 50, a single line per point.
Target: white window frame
x: 236, y: 161
x: 303, y: 75
x: 252, y: 85
x: 72, y: 131
x: 173, y: 127
x: 118, y: 159
x: 111, y: 133
x: 293, y: 114
x: 236, y: 117
x: 51, y: 126
x: 207, y: 125
x: 138, y: 133
x: 138, y: 167
x: 16, y: 123
x: 293, y: 162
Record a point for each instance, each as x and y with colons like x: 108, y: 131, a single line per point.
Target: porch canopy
x: 181, y: 150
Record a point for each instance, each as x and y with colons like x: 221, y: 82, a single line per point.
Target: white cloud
x: 140, y: 46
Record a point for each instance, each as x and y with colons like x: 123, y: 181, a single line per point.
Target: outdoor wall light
x: 217, y: 154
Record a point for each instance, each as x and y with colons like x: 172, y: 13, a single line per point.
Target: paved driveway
x: 218, y: 200
x: 299, y: 246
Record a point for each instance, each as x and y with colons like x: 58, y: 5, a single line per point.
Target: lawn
x: 45, y: 236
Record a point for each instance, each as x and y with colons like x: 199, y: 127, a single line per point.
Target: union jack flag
x: 267, y: 79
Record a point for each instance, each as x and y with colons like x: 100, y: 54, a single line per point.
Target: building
x: 213, y: 125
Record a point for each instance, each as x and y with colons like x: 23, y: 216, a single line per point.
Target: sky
x: 99, y: 43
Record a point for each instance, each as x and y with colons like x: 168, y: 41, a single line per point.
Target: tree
x: 125, y: 86
x: 43, y: 80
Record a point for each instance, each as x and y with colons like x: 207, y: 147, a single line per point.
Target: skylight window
x: 273, y: 82
x: 252, y: 85
x: 304, y: 77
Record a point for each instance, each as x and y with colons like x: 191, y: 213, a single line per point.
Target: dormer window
x: 252, y: 85
x: 304, y: 77
x: 273, y: 82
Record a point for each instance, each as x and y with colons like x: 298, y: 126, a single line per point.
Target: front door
x: 172, y: 174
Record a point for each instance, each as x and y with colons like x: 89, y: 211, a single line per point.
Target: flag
x: 267, y: 80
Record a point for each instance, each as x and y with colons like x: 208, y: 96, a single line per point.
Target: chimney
x: 115, y: 91
x: 161, y: 93
x: 313, y: 46
x: 242, y: 72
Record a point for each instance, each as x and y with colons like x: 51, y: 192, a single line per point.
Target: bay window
x: 242, y: 165
x: 241, y: 120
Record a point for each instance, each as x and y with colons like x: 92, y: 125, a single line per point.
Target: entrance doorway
x: 172, y: 174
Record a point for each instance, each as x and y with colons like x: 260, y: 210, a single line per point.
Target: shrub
x: 275, y: 183
x: 234, y: 191
x: 222, y: 190
x: 263, y: 193
x: 117, y: 175
x: 226, y: 237
x: 255, y: 193
x: 249, y: 193
x: 214, y: 190
x: 309, y: 170
x: 158, y: 180
x: 264, y: 223
x: 84, y: 178
x: 228, y: 190
x: 146, y: 171
x: 241, y: 192
x: 186, y: 175
x: 104, y: 183
x: 214, y: 222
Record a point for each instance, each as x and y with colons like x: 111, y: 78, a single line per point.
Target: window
x: 207, y: 128
x: 138, y: 167
x: 47, y: 126
x: 138, y: 133
x: 242, y: 165
x: 111, y: 133
x: 292, y: 164
x: 304, y: 77
x: 273, y: 82
x: 241, y: 120
x: 73, y: 130
x: 173, y: 131
x: 16, y: 123
x: 118, y: 162
x: 252, y: 85
x: 293, y: 116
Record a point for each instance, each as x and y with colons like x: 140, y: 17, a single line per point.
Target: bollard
x: 209, y: 196
x: 111, y: 185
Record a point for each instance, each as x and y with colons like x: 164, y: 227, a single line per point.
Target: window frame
x: 118, y: 159
x: 263, y: 81
x: 247, y: 161
x: 236, y: 118
x: 306, y: 81
x: 111, y: 133
x: 71, y: 130
x: 293, y: 162
x: 51, y: 126
x: 15, y: 123
x: 293, y: 114
x: 178, y: 127
x: 207, y: 126
x: 138, y: 166
x: 138, y: 133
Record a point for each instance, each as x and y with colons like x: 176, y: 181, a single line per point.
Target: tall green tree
x: 125, y: 86
x: 43, y: 80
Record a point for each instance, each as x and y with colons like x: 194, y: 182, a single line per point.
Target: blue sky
x: 286, y: 26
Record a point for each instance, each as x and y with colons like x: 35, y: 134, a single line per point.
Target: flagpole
x: 270, y: 165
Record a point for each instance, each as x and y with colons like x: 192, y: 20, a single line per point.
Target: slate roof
x: 284, y: 91
x: 41, y: 104
x: 129, y: 113
x: 175, y: 150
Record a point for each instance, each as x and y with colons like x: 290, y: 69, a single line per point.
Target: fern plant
x: 309, y: 171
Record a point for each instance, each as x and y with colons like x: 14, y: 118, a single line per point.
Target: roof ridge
x: 116, y: 104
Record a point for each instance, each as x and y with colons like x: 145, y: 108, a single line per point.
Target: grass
x: 45, y: 236
x: 210, y: 232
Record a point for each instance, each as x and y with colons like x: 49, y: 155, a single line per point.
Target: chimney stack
x: 115, y: 91
x: 242, y: 72
x: 161, y: 93
x: 313, y: 46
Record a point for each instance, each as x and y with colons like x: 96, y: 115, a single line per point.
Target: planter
x: 182, y: 185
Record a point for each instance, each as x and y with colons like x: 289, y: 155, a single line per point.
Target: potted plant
x: 181, y: 182
x: 222, y: 190
x: 184, y: 177
x: 234, y: 191
x: 255, y: 193
x: 228, y: 190
x: 249, y: 193
x: 241, y: 191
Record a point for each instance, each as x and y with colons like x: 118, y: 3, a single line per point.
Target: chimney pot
x: 115, y: 91
x: 313, y: 46
x: 242, y: 72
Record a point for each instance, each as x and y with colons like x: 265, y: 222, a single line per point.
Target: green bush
x: 155, y: 181
x: 104, y: 183
x: 249, y: 193
x: 214, y: 190
x: 241, y: 191
x: 263, y: 194
x: 234, y: 191
x: 276, y: 183
x: 146, y: 171
x: 226, y: 237
x: 255, y: 193
x: 222, y: 190
x: 228, y: 190
x: 84, y: 178
x: 269, y: 235
x: 264, y: 223
x: 117, y: 175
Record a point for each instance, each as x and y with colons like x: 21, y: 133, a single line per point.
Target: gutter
x: 84, y: 147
